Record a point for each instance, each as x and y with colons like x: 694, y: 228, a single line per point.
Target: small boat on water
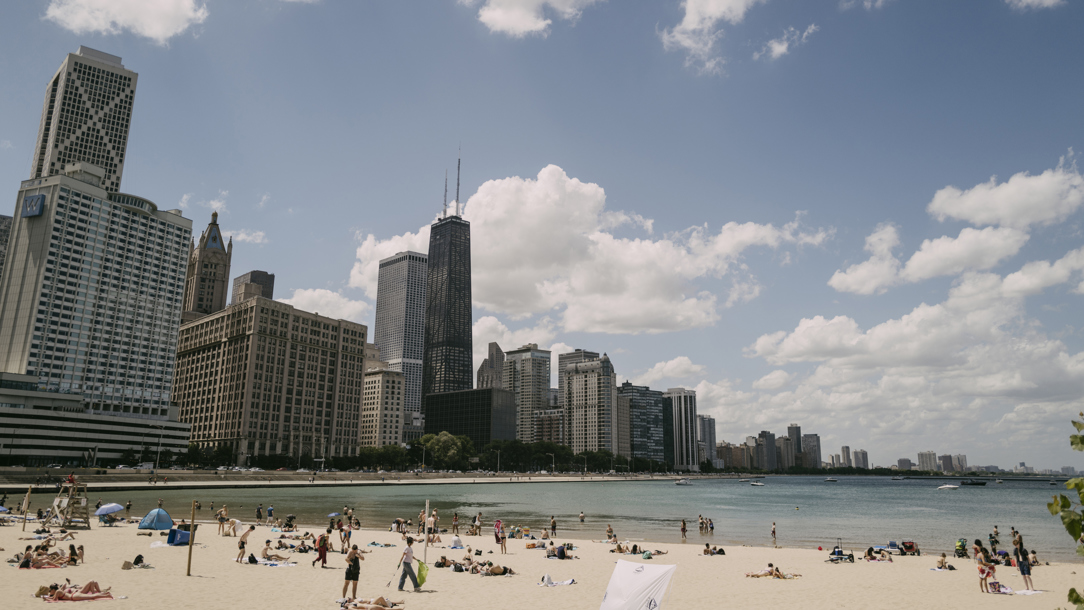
x: 998, y: 481
x: 757, y: 484
x: 949, y: 487
x: 1053, y: 482
x: 743, y: 480
x: 972, y: 482
x: 897, y: 478
x: 681, y: 482
x: 831, y: 480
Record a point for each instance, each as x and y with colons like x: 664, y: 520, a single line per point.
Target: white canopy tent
x: 637, y: 586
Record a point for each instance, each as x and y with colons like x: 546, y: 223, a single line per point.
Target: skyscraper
x: 207, y: 278
x: 526, y: 373
x: 646, y: 421
x: 264, y: 280
x: 563, y: 360
x: 85, y: 117
x: 90, y: 297
x: 794, y: 431
x: 491, y: 371
x: 927, y: 460
x: 861, y: 459
x: 5, y: 232
x: 767, y: 450
x: 685, y: 429
x: 400, y: 320
x: 590, y: 391
x: 811, y: 450
x: 845, y: 451
x: 447, y: 365
x: 707, y: 435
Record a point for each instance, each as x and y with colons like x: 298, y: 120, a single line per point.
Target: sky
x: 861, y: 216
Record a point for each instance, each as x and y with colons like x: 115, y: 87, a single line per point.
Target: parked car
x: 303, y: 470
x: 123, y: 467
x: 53, y: 466
x: 221, y: 468
x: 177, y: 468
x: 283, y: 468
x: 255, y: 469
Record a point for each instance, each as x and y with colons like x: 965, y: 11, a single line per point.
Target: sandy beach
x: 700, y: 582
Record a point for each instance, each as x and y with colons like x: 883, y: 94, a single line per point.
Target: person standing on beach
x: 353, y: 571
x: 773, y: 531
x: 430, y: 524
x: 323, y: 545
x: 270, y: 513
x: 497, y: 530
x: 553, y: 526
x: 408, y: 569
x: 455, y: 523
x: 581, y: 516
x: 683, y: 529
x: 128, y: 509
x: 504, y: 540
x: 241, y: 544
x: 222, y: 515
x: 1023, y: 562
x: 259, y: 514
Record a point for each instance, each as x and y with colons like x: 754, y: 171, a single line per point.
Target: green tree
x: 223, y: 455
x: 443, y: 448
x: 1070, y: 510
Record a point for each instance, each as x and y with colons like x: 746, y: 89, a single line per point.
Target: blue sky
x: 785, y: 205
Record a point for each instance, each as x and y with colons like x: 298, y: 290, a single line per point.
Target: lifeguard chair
x: 71, y: 508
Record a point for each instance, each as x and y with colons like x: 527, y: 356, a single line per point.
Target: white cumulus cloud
x: 877, y: 273
x: 773, y: 380
x: 6, y: 145
x: 791, y: 38
x: 676, y: 369
x: 246, y: 236
x: 519, y: 18
x: 158, y: 20
x: 328, y: 303
x: 972, y: 249
x: 489, y: 328
x: 699, y: 30
x: 541, y: 247
x: 1023, y: 5
x: 869, y: 5
x: 1023, y: 200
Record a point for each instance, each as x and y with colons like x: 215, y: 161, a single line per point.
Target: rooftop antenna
x: 445, y: 194
x: 458, y: 164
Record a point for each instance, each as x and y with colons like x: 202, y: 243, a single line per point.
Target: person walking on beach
x: 773, y: 531
x: 1023, y: 562
x: 553, y: 526
x: 344, y: 539
x: 497, y: 530
x: 353, y: 571
x: 408, y: 569
x: 223, y: 516
x: 259, y: 514
x: 241, y: 544
x: 128, y: 510
x: 683, y: 529
x: 323, y: 545
x: 430, y: 524
x: 581, y: 516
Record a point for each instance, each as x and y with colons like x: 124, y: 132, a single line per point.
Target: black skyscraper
x: 448, y: 365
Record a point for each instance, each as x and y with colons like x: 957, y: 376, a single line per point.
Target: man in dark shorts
x: 259, y: 513
x: 241, y: 544
x: 553, y: 526
x: 353, y: 570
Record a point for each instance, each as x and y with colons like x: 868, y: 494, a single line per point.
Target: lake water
x: 861, y: 510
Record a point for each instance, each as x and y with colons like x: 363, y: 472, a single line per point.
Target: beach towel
x: 276, y: 564
x: 1028, y: 592
x: 549, y: 582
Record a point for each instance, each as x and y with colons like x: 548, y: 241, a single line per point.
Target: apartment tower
x: 526, y: 373
x: 262, y: 280
x: 685, y: 428
x: 400, y: 320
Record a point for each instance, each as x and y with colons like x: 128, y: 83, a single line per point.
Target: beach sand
x: 699, y: 582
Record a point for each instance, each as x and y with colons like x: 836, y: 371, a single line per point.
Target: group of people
x: 988, y: 559
x: 40, y: 556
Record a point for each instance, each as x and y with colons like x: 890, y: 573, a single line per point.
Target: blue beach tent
x: 157, y: 519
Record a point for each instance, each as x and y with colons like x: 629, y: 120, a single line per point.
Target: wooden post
x: 425, y: 530
x: 191, y: 537
x: 26, y: 505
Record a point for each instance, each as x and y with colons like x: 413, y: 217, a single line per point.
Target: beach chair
x: 961, y: 548
x: 838, y: 555
x: 894, y: 548
x: 105, y: 520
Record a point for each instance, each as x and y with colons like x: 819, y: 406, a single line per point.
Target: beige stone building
x: 382, y: 410
x: 208, y: 273
x: 265, y: 378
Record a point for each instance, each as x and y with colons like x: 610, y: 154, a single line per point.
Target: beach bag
x: 457, y: 568
x: 478, y: 552
x: 252, y: 558
x: 950, y: 567
x: 321, y: 543
x: 127, y: 565
x: 423, y: 572
x: 647, y: 555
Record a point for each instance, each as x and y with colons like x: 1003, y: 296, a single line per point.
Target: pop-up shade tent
x: 637, y: 586
x: 157, y: 519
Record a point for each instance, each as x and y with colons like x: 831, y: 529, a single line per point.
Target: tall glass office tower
x: 400, y: 320
x: 447, y: 363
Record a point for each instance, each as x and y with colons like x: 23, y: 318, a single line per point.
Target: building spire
x: 445, y: 215
x: 458, y: 164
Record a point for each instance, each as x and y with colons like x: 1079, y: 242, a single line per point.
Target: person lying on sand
x: 75, y: 593
x: 496, y: 570
x: 769, y: 572
x: 373, y: 604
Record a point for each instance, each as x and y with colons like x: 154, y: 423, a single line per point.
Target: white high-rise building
x: 845, y: 453
x: 590, y: 395
x: 399, y: 331
x: 85, y: 118
x: 683, y: 413
x: 90, y: 299
x: 927, y: 460
x: 526, y: 373
x: 959, y: 462
x: 563, y: 360
x: 861, y: 459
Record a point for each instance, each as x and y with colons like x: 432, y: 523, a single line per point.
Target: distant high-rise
x: 563, y: 360
x: 845, y: 452
x: 903, y: 464
x: 491, y: 372
x: 811, y: 450
x: 959, y: 462
x: 861, y: 459
x: 5, y: 231
x: 400, y: 321
x: 646, y: 421
x: 685, y: 429
x: 85, y: 117
x: 794, y: 431
x: 707, y: 435
x: 767, y: 450
x: 927, y: 460
x: 447, y: 364
x: 206, y: 281
x: 590, y: 392
x: 944, y: 463
x: 785, y: 454
x: 526, y: 373
x: 263, y: 279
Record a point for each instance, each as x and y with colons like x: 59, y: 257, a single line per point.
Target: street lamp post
x: 553, y: 466
x: 585, y: 465
x: 158, y: 458
x: 498, y: 461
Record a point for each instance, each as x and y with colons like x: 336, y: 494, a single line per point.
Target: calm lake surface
x: 861, y: 510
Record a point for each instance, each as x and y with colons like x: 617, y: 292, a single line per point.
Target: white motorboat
x: 949, y: 487
x: 743, y: 480
x: 897, y: 478
x: 831, y: 480
x: 998, y: 481
x: 757, y: 484
x: 681, y: 482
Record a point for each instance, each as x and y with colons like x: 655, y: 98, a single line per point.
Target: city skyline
x: 800, y: 224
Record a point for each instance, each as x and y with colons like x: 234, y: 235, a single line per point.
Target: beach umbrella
x: 108, y: 509
x: 334, y: 514
x: 3, y: 510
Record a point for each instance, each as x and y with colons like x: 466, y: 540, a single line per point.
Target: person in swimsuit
x: 608, y: 530
x: 223, y: 516
x: 1023, y: 562
x: 376, y: 603
x: 89, y: 591
x: 268, y: 555
x: 353, y: 570
x: 455, y: 523
x: 241, y: 543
